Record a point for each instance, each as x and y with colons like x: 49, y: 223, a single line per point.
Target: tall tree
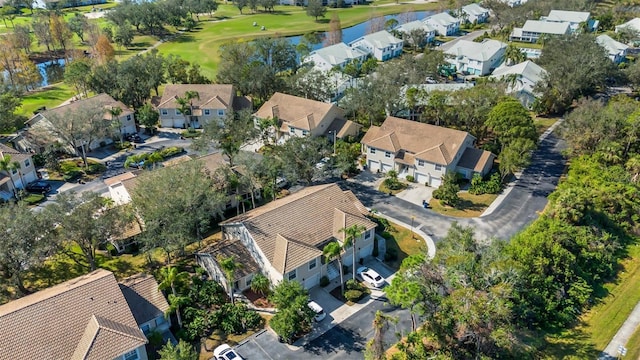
x: 10, y: 101
x: 376, y: 347
x: 351, y: 235
x: 333, y: 251
x: 240, y: 4
x: 25, y: 237
x: 148, y: 117
x: 228, y: 134
x: 9, y: 167
x: 316, y: 9
x: 102, y: 50
x: 186, y: 105
x: 77, y: 74
x: 60, y: 32
x: 229, y: 266
x: 376, y: 23
x: 89, y: 221
x: 78, y: 24
x: 334, y: 36
x: 171, y: 279
x: 299, y: 156
x: 182, y: 351
x: 41, y: 30
x: 21, y: 38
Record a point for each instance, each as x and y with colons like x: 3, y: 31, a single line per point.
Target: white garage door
x: 312, y: 281
x: 366, y: 251
x: 436, y: 182
x: 374, y: 165
x: 422, y: 178
x: 386, y: 167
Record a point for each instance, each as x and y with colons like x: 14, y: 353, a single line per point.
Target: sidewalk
x: 623, y: 335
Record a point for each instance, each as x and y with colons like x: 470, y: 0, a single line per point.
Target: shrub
x: 491, y: 186
x: 355, y: 285
x: 72, y: 175
x: 170, y: 151
x: 410, y: 178
x: 190, y: 133
x: 96, y: 168
x: 391, y: 254
x: 353, y: 295
x: 32, y: 199
x: 324, y: 281
x: 382, y: 224
x: 121, y: 145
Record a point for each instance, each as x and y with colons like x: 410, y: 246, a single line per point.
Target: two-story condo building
x: 335, y: 56
x: 474, y: 58
x: 20, y: 176
x: 406, y: 29
x: 443, y: 23
x: 534, y: 29
x: 576, y: 19
x: 381, y: 45
x: 208, y: 102
x: 285, y: 238
x: 616, y: 50
x: 426, y: 152
x: 298, y: 116
x: 475, y: 13
x: 521, y: 80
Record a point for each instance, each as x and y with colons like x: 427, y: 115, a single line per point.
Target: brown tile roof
x: 15, y: 154
x: 302, y: 223
x: 100, y: 100
x: 233, y: 248
x: 131, y: 184
x: 242, y: 102
x: 213, y: 162
x: 131, y: 229
x: 119, y: 178
x: 144, y: 298
x: 211, y: 96
x: 432, y: 143
x: 87, y: 315
x: 475, y: 159
x: 343, y: 128
x: 177, y: 160
x: 298, y: 112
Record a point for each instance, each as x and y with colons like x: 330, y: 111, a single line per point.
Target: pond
x: 352, y: 33
x: 51, y: 71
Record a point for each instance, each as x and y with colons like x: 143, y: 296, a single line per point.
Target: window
x: 387, y: 154
x: 305, y: 132
x: 372, y: 150
x: 248, y: 281
x: 220, y: 112
x: 178, y: 112
x: 292, y: 275
x: 165, y: 112
x: 131, y: 355
x: 438, y: 167
x: 292, y: 130
x: 27, y: 163
x: 145, y: 328
x: 14, y: 171
x: 207, y: 112
x: 367, y: 235
x: 420, y: 162
x: 312, y: 264
x: 128, y: 117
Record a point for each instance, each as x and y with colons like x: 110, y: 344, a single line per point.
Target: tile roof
x: 443, y: 18
x: 546, y: 27
x: 119, y: 178
x: 474, y: 9
x: 298, y: 112
x: 475, y: 159
x: 570, y: 16
x: 233, y: 248
x: 83, y: 318
x: 338, y: 53
x: 100, y: 100
x: 380, y: 39
x: 526, y: 69
x: 414, y: 25
x: 343, y: 128
x: 482, y: 51
x: 144, y: 298
x: 292, y: 230
x: 432, y: 143
x: 15, y: 154
x: 211, y: 96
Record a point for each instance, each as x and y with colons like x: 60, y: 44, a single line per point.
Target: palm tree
x: 333, y: 251
x: 186, y: 105
x: 375, y: 346
x: 633, y: 165
x: 513, y: 55
x: 171, y: 277
x: 351, y: 234
x: 8, y: 166
x: 115, y: 112
x: 260, y: 284
x: 154, y: 158
x: 229, y: 265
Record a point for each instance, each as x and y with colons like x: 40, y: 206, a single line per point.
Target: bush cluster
x: 491, y: 186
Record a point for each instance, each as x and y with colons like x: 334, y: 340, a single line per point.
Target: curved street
x: 520, y: 206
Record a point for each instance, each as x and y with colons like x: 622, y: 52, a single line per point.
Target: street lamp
x: 412, y: 219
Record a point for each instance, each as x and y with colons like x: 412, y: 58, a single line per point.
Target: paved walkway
x: 623, y: 335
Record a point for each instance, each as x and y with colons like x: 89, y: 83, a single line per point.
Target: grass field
x: 50, y: 96
x: 404, y: 242
x: 201, y: 45
x: 470, y: 205
x: 601, y: 323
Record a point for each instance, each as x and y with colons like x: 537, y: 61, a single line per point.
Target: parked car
x: 135, y: 138
x: 370, y: 276
x: 40, y: 187
x: 225, y: 352
x: 323, y: 163
x: 281, y: 182
x: 320, y: 314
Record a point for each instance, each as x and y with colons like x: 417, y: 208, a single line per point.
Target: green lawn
x: 201, y: 45
x: 404, y: 242
x: 470, y: 205
x: 50, y: 96
x: 601, y: 323
x: 543, y: 123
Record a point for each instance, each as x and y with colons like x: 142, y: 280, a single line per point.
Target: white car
x: 370, y: 276
x: 225, y: 352
x: 323, y: 163
x: 320, y: 314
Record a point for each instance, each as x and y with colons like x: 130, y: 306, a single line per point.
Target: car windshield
x: 378, y: 278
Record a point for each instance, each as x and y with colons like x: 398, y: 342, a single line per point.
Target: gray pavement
x: 470, y: 36
x: 622, y: 336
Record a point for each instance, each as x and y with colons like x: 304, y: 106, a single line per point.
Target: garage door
x: 374, y: 165
x: 422, y: 178
x: 312, y: 281
x: 366, y: 251
x: 386, y: 167
x: 436, y: 182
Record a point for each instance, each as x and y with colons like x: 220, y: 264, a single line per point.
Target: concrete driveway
x: 416, y: 194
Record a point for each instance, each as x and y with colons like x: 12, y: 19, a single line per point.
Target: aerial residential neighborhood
x: 319, y: 179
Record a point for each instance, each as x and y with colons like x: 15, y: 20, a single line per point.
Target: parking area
x: 416, y: 194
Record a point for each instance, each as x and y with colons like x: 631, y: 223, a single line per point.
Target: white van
x: 320, y: 314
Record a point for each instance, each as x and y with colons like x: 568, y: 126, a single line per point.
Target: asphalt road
x: 520, y: 207
x: 345, y: 341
